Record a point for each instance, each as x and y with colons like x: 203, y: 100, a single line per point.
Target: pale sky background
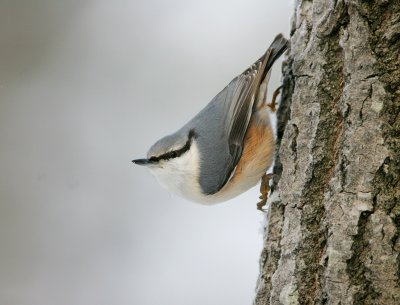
x: 85, y: 87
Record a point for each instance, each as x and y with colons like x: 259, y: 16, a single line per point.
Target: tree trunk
x: 333, y: 235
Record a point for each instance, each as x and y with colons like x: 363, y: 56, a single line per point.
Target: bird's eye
x: 173, y: 154
x: 152, y: 158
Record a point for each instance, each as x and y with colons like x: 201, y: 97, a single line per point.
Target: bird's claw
x: 272, y: 105
x: 264, y: 189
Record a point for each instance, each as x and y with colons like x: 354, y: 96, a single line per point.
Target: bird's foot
x: 264, y: 189
x: 272, y: 105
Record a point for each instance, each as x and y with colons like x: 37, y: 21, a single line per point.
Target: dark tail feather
x: 277, y: 47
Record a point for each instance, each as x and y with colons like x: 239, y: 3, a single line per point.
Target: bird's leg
x: 264, y: 189
x: 272, y: 105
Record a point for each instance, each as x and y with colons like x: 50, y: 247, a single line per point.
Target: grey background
x: 86, y: 86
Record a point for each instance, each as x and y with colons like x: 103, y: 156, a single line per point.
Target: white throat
x: 180, y: 175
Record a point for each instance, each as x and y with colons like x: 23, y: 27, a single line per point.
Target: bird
x: 228, y: 146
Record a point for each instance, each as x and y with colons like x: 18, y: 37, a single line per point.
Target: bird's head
x: 169, y: 150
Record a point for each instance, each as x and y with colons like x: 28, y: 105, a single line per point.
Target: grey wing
x: 238, y: 99
x: 242, y: 107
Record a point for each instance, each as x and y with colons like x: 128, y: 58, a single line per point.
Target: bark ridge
x: 334, y: 218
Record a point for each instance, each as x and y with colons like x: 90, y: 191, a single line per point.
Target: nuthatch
x: 228, y: 146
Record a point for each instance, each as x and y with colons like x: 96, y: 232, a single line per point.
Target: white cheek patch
x: 180, y: 175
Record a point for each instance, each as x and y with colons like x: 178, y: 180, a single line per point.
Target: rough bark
x: 333, y: 235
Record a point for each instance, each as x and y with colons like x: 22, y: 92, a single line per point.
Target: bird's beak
x: 142, y: 161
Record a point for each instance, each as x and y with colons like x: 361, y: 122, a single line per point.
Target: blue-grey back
x: 210, y: 126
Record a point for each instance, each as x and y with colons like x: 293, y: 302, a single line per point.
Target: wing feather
x: 242, y: 105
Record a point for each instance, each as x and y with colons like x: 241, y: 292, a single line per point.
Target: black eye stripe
x: 176, y: 153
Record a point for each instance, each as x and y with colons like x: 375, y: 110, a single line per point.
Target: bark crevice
x: 334, y: 231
